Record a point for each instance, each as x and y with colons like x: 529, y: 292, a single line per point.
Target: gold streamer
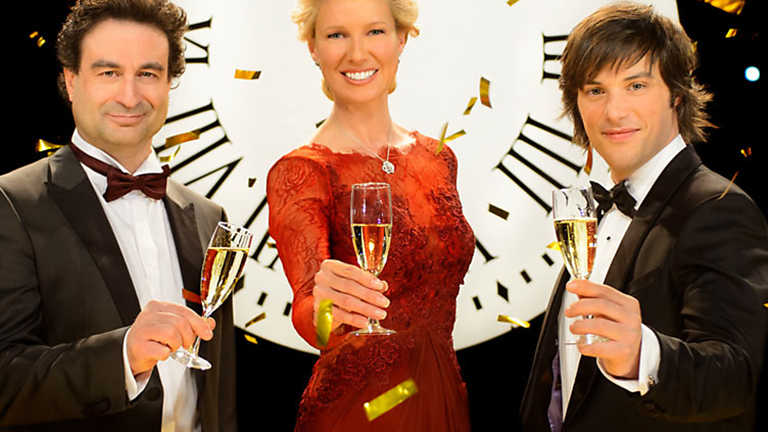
x: 730, y: 6
x: 590, y: 161
x: 45, y: 146
x: 731, y: 33
x: 746, y: 152
x: 247, y: 74
x: 511, y: 2
x: 181, y: 138
x: 442, y: 139
x: 554, y: 246
x: 256, y: 319
x: 514, y: 321
x: 470, y: 105
x: 324, y: 322
x: 251, y: 181
x: 251, y: 339
x: 727, y: 188
x: 485, y: 89
x: 33, y: 35
x: 453, y: 136
x: 390, y: 399
x: 169, y: 158
x: 40, y: 42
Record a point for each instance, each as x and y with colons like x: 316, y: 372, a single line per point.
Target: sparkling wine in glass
x: 371, y: 220
x: 576, y: 229
x: 222, y: 267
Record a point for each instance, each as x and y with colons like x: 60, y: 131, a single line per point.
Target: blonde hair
x: 404, y: 12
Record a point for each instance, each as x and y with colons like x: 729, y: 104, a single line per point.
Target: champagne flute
x: 371, y: 219
x: 576, y: 228
x: 223, y: 265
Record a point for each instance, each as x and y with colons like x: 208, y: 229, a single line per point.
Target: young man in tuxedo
x: 681, y: 268
x: 97, y: 247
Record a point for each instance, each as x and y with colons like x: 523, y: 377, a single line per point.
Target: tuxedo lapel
x: 622, y: 266
x: 73, y: 193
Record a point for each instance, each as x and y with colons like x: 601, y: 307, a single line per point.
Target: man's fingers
x: 598, y: 307
x: 601, y: 327
x: 585, y: 288
x: 198, y: 324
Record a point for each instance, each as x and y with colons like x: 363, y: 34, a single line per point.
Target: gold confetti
x: 181, y: 138
x: 247, y: 74
x: 730, y: 6
x: 453, y: 136
x: 271, y: 245
x: 251, y: 339
x: 256, y: 319
x: 251, y: 181
x: 731, y: 33
x: 727, y: 188
x: 390, y: 399
x: 470, y: 105
x: 514, y: 321
x: 746, y: 152
x: 511, y: 2
x: 33, y: 35
x: 40, y: 42
x: 45, y: 146
x: 324, y: 322
x: 169, y: 158
x: 590, y: 161
x: 442, y: 139
x: 554, y: 246
x: 485, y: 89
x: 765, y: 304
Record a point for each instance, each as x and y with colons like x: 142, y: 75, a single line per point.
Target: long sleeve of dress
x: 298, y: 194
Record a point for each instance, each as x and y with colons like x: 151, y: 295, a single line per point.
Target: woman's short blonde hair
x: 404, y: 12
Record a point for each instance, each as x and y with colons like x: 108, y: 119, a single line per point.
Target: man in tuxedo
x: 100, y: 253
x: 681, y: 268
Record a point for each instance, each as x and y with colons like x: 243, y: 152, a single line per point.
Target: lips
x: 620, y: 134
x: 126, y: 119
x: 360, y: 76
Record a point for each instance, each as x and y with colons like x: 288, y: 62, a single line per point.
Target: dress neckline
x: 403, y: 150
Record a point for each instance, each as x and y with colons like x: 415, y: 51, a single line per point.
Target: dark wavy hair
x: 622, y: 35
x: 86, y: 14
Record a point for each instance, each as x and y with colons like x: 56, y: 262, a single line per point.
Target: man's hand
x: 356, y: 294
x: 159, y: 330
x: 616, y: 317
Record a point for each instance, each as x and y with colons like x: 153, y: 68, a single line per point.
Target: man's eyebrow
x: 104, y: 64
x: 153, y: 66
x: 646, y: 74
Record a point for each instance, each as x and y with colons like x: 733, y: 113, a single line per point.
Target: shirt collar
x: 641, y: 181
x: 151, y: 164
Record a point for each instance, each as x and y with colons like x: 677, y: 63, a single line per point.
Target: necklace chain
x: 387, y: 166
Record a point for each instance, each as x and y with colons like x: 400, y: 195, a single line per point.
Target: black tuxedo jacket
x: 66, y: 301
x: 698, y: 264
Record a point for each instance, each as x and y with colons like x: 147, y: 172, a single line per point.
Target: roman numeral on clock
x: 550, y: 57
x: 202, y: 57
x: 523, y: 139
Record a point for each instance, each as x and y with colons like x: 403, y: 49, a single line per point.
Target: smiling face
x: 628, y: 115
x: 357, y: 46
x: 119, y: 94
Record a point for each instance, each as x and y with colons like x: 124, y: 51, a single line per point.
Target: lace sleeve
x: 298, y: 194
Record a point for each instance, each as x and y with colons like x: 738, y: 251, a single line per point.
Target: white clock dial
x: 513, y: 155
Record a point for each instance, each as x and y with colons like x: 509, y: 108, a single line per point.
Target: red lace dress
x: 308, y: 191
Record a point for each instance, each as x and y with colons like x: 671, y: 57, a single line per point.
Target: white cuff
x: 133, y: 385
x: 650, y: 358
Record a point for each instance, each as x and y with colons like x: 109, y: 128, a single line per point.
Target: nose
x: 615, y: 106
x: 128, y: 92
x: 357, y: 50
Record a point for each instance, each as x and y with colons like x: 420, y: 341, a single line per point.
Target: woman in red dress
x: 357, y: 44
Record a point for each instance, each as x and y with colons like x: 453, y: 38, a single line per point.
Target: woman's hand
x: 356, y: 294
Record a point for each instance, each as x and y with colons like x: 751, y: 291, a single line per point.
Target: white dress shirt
x: 143, y: 232
x: 610, y: 232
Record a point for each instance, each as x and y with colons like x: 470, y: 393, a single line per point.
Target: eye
x: 336, y: 35
x: 108, y: 73
x: 594, y: 91
x: 375, y: 32
x: 637, y: 86
x: 147, y: 74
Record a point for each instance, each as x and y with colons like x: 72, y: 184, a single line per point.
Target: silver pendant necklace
x: 386, y: 166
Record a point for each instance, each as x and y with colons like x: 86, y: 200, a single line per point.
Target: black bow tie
x: 119, y: 183
x: 618, y: 195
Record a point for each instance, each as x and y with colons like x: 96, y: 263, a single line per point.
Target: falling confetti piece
x: 470, y: 105
x: 271, y: 245
x: 169, y: 158
x: 256, y: 319
x: 453, y: 136
x: 765, y: 304
x: 45, y: 146
x: 247, y: 74
x: 33, y: 35
x: 441, y: 144
x: 554, y: 246
x: 730, y: 6
x: 320, y: 123
x: 731, y: 33
x: 390, y: 399
x: 746, y: 152
x: 514, y: 321
x: 590, y: 161
x: 180, y: 138
x: 727, y: 188
x: 511, y: 2
x: 324, y: 322
x: 251, y: 181
x: 40, y: 42
x: 485, y: 89
x: 251, y: 339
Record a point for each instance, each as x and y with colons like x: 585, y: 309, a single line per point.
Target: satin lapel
x: 538, y: 389
x: 622, y: 266
x: 70, y: 189
x: 181, y: 215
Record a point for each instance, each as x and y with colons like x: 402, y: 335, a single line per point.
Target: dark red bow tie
x: 120, y: 183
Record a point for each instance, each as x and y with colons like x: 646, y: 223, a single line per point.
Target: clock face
x: 513, y: 155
